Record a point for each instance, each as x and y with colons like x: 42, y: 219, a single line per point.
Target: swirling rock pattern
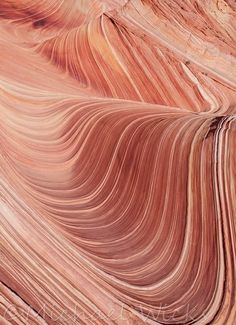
x: 118, y: 162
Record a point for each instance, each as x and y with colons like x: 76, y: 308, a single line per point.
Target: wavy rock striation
x: 117, y: 162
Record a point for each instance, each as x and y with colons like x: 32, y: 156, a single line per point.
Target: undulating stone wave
x: 118, y: 162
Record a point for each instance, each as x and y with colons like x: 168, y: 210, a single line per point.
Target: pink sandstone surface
x: 118, y: 162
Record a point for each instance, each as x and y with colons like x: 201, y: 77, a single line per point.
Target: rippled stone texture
x: 117, y: 162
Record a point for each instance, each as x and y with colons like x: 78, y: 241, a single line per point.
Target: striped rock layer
x: 117, y: 162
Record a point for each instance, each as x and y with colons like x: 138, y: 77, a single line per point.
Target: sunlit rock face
x: 118, y: 162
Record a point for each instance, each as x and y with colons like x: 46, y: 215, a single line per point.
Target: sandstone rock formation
x: 117, y: 162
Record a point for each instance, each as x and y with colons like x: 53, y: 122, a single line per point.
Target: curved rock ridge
x: 117, y: 162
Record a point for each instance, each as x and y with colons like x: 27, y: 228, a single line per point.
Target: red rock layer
x: 117, y: 162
